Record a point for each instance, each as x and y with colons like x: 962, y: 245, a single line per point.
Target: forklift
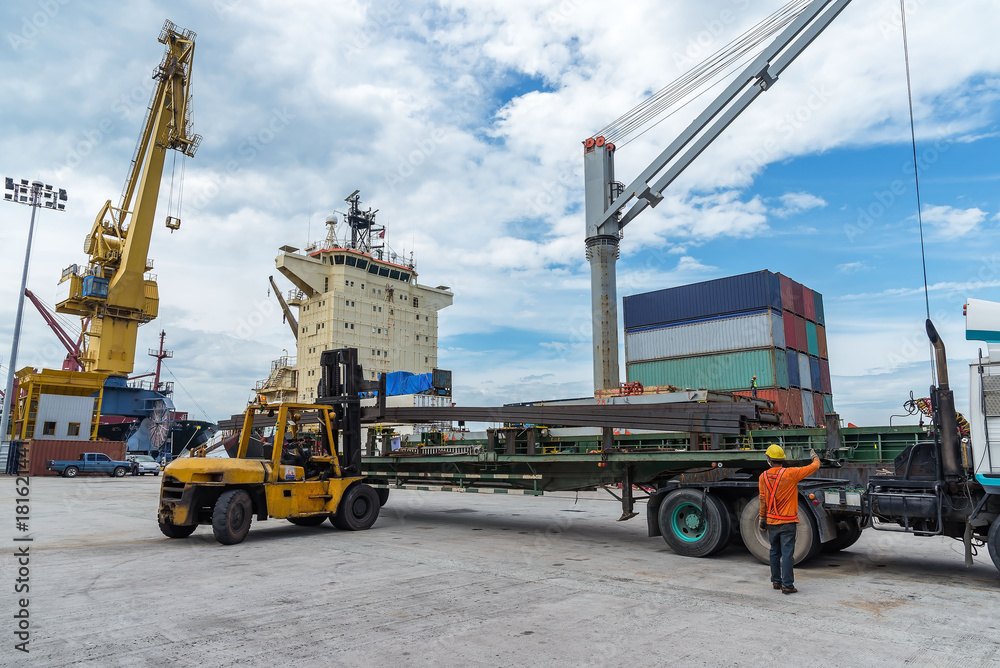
x: 308, y: 471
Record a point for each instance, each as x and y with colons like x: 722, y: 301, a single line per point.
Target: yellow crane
x: 114, y: 290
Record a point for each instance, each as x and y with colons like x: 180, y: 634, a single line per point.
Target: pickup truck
x: 89, y: 462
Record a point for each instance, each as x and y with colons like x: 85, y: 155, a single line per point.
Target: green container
x: 724, y: 372
x: 812, y: 338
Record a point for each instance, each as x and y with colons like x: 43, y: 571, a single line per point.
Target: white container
x: 805, y: 376
x: 705, y: 337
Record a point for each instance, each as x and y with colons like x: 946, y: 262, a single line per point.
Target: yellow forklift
x: 309, y: 470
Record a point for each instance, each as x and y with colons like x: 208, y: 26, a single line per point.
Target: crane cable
x: 701, y: 76
x: 916, y: 176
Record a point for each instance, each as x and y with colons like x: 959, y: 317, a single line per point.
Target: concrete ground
x: 467, y: 580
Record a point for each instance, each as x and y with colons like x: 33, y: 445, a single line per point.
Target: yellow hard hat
x: 774, y: 451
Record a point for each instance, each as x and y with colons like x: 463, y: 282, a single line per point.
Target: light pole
x: 33, y: 194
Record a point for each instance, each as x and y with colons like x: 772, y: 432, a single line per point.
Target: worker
x: 753, y: 387
x: 779, y: 512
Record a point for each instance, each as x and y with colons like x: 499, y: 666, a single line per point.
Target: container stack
x: 718, y: 335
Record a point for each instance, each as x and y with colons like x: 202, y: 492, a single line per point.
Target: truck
x: 89, y: 462
x: 308, y: 471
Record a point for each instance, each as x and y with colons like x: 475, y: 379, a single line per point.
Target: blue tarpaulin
x: 404, y: 382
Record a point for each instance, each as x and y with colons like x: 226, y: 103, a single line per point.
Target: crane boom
x: 114, y: 290
x: 606, y: 199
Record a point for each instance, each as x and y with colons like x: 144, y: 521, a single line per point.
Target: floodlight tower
x: 35, y: 194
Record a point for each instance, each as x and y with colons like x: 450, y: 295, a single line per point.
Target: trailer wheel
x: 174, y: 531
x: 848, y: 533
x: 310, y: 521
x: 694, y: 524
x: 807, y: 543
x: 993, y: 542
x: 70, y: 472
x: 358, y: 510
x: 231, y: 517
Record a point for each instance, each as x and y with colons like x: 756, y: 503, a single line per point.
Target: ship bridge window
x: 373, y: 269
x: 404, y: 277
x: 362, y: 263
x: 339, y: 259
x: 383, y: 271
x: 394, y: 274
x: 351, y: 261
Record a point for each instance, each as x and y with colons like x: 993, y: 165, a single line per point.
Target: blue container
x: 814, y: 373
x: 793, y: 368
x: 820, y: 316
x: 722, y: 296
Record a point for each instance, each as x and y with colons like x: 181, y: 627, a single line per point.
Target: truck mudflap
x: 732, y: 489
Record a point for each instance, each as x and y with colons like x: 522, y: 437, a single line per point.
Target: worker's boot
x: 789, y: 590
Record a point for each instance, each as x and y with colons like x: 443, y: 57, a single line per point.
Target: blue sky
x: 461, y: 122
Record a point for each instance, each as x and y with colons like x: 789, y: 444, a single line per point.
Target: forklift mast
x: 341, y: 384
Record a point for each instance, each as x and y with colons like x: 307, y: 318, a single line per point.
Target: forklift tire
x: 383, y: 495
x: 231, y: 517
x: 358, y: 510
x: 174, y: 531
x: 310, y: 521
x: 848, y: 533
x: 807, y: 543
x: 993, y: 542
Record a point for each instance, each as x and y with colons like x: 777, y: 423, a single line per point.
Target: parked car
x: 89, y: 462
x: 143, y: 464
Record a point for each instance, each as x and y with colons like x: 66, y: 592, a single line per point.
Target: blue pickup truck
x: 89, y: 462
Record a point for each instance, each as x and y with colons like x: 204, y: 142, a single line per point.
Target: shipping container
x: 788, y: 320
x: 41, y: 451
x: 787, y: 291
x: 824, y: 376
x: 724, y: 372
x: 812, y: 340
x: 808, y: 304
x: 814, y: 375
x: 820, y: 316
x: 722, y: 296
x: 808, y: 410
x: 780, y: 399
x: 793, y: 368
x: 805, y: 374
x: 742, y: 332
x: 821, y: 346
x: 801, y: 337
x: 795, y: 407
x: 797, y: 307
x: 828, y: 403
x: 819, y: 408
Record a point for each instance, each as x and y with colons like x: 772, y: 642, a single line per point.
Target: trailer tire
x: 175, y: 531
x: 692, y: 527
x: 807, y: 543
x: 358, y: 509
x: 70, y: 472
x: 232, y: 516
x: 309, y: 521
x: 848, y: 533
x: 993, y: 542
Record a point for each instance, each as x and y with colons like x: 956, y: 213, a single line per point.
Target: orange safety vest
x: 779, y: 492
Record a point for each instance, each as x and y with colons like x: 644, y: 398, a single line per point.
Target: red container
x: 821, y: 342
x: 788, y: 321
x: 797, y: 306
x: 787, y: 292
x: 824, y: 374
x: 808, y: 304
x: 794, y: 407
x: 819, y: 410
x: 778, y: 397
x: 801, y: 337
x: 42, y: 450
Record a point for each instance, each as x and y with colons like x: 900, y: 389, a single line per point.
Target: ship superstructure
x: 352, y: 291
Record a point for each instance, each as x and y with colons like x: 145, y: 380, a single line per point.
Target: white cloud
x: 793, y: 203
x: 954, y: 222
x: 851, y: 267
